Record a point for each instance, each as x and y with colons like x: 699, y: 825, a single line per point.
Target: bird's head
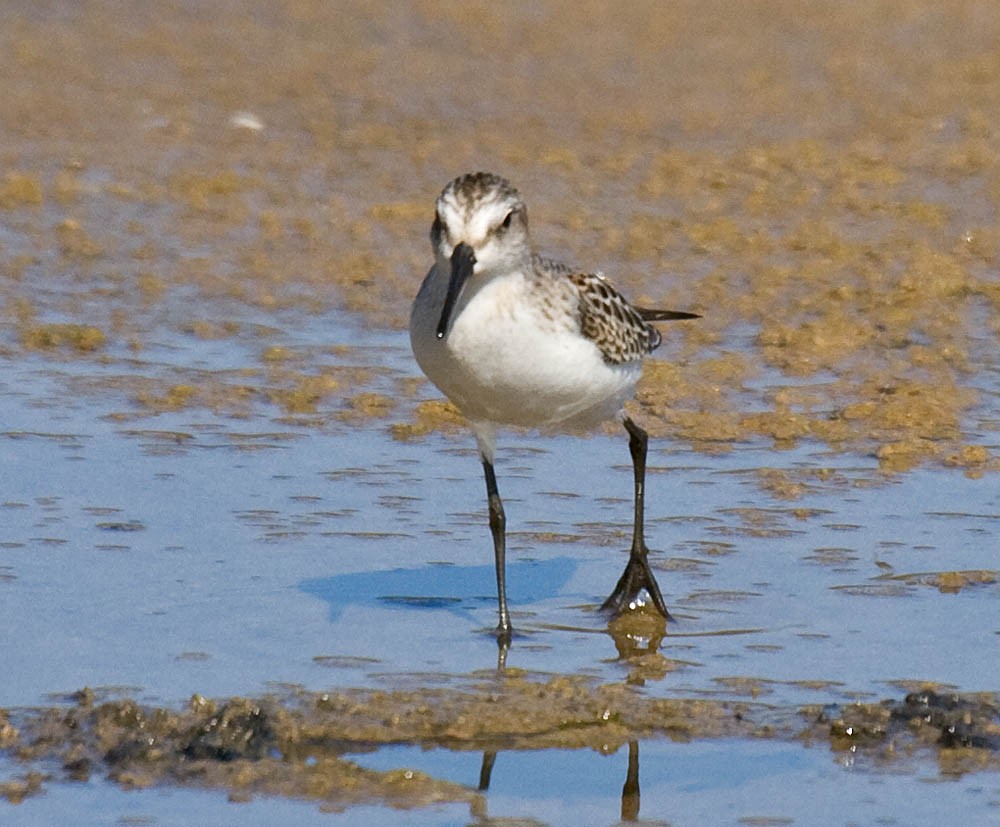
x: 480, y: 228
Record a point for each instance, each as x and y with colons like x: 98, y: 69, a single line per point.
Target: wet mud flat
x: 303, y: 745
x: 831, y: 214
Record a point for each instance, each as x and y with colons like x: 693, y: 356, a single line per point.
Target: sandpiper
x: 512, y: 338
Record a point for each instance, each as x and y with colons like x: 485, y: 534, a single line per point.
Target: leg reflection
x: 630, y: 792
x: 486, y: 770
x: 490, y: 756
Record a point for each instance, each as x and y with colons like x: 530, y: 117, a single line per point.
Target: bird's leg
x: 637, y: 575
x: 498, y: 525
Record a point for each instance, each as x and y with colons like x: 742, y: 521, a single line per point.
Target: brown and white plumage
x: 513, y: 338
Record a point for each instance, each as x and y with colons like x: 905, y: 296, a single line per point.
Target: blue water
x: 725, y: 782
x: 199, y: 552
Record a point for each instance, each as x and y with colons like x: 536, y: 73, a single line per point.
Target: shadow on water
x: 463, y: 590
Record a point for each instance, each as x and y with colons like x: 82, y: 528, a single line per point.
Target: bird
x: 513, y: 338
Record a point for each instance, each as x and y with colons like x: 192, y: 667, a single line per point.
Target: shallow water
x: 738, y: 782
x: 733, y: 782
x: 222, y: 475
x: 229, y: 557
x: 169, y: 554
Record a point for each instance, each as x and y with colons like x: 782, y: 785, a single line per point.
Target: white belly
x: 505, y: 362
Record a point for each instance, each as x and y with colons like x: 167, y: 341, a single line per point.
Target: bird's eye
x: 506, y: 221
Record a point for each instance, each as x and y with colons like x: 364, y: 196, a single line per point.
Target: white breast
x: 516, y: 357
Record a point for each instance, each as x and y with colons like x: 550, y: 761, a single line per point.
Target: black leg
x: 498, y: 525
x: 637, y: 575
x: 638, y: 441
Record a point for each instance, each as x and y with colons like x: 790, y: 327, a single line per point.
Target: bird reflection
x: 630, y: 790
x: 503, y: 646
x: 486, y: 770
x: 637, y: 636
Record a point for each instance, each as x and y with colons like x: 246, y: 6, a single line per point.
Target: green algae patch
x: 947, y: 582
x: 305, y: 394
x: 16, y: 790
x: 75, y: 242
x: 78, y: 337
x: 429, y: 416
x: 175, y: 398
x: 366, y: 406
x: 19, y: 189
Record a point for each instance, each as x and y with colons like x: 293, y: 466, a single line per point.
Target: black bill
x: 463, y: 260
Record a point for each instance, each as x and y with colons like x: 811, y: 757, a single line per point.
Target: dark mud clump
x: 239, y: 731
x: 244, y: 747
x: 964, y: 729
x: 951, y: 720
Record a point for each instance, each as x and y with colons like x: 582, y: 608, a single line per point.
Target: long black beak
x: 463, y: 259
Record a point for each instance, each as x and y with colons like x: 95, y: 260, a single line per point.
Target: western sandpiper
x: 512, y: 338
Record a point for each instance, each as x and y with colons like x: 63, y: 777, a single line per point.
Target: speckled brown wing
x: 610, y: 322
